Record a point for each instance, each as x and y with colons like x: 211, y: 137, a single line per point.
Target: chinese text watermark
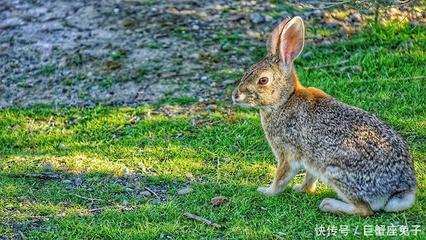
x: 367, y: 230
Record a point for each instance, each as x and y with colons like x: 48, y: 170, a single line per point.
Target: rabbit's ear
x: 273, y: 41
x: 291, y: 41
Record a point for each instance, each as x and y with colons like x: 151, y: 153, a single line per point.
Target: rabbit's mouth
x: 245, y: 102
x: 242, y: 99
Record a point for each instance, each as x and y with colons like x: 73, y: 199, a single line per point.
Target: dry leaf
x: 217, y: 201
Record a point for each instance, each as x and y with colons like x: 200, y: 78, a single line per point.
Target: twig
x: 88, y: 198
x: 38, y: 175
x: 153, y: 193
x: 327, y: 65
x: 201, y: 219
x: 402, y: 2
x: 173, y: 75
x: 107, y: 207
x: 391, y: 79
x: 97, y: 209
x: 312, y: 6
x: 410, y: 78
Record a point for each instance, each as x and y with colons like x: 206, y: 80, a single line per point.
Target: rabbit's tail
x: 400, y: 201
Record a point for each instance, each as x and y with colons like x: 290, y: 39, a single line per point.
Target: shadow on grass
x: 99, y: 204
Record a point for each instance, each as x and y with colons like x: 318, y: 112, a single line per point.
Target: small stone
x: 195, y: 27
x: 356, y: 68
x: 254, y: 34
x: 356, y: 17
x: 415, y: 23
x: 134, y: 119
x: 346, y: 29
x: 137, y: 185
x: 204, y: 78
x: 284, y: 15
x: 146, y: 193
x: 78, y: 181
x: 189, y: 176
x: 393, y: 11
x: 66, y: 181
x: 194, y: 56
x: 217, y: 201
x: 236, y: 18
x: 125, y: 202
x: 126, y: 172
x: 228, y: 82
x: 11, y: 23
x: 268, y: 18
x: 326, y: 42
x: 256, y: 18
x: 406, y: 45
x: 332, y: 24
x: 61, y: 145
x: 36, y: 12
x: 184, y: 191
x: 317, y: 12
x: 23, y: 198
x: 47, y: 166
x: 212, y: 107
x: 116, y: 10
x: 307, y: 14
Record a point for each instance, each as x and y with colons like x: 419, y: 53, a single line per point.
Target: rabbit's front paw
x: 268, y: 191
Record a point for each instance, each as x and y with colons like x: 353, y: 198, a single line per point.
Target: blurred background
x: 81, y: 53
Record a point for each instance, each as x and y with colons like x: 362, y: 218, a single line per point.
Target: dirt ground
x: 80, y: 52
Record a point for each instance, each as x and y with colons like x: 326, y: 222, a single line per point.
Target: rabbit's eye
x: 263, y: 80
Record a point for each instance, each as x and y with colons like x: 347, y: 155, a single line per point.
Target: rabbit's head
x: 273, y: 80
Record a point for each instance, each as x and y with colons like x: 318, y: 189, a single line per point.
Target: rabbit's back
x: 343, y: 143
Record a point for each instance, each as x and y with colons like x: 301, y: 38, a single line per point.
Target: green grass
x: 111, y: 154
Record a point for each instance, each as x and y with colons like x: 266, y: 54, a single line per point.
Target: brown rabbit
x: 362, y: 159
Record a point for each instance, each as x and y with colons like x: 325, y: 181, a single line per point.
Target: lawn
x: 115, y: 172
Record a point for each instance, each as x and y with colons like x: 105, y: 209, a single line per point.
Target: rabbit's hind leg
x: 331, y: 205
x: 400, y: 201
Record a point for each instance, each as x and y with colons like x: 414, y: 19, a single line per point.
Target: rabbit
x: 361, y: 158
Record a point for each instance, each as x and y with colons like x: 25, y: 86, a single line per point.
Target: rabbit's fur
x: 361, y: 158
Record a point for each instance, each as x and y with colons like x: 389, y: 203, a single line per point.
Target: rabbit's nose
x: 235, y: 95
